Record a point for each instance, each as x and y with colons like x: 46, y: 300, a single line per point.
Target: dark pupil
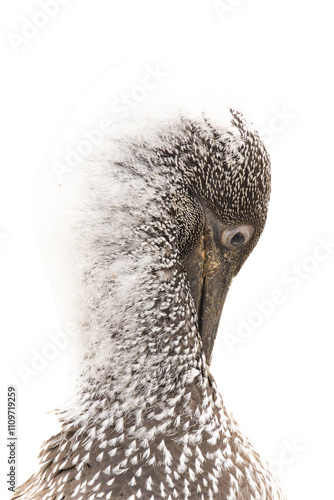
x: 237, y: 239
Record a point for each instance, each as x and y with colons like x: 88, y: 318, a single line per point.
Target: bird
x: 159, y: 221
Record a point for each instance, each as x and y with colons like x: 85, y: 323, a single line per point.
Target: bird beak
x: 210, y: 269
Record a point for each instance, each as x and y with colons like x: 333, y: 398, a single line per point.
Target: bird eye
x: 237, y: 237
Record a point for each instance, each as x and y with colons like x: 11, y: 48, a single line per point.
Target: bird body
x: 146, y: 419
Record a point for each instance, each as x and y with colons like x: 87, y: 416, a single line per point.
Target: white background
x: 266, y: 58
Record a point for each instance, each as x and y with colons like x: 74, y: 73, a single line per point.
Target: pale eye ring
x: 237, y: 236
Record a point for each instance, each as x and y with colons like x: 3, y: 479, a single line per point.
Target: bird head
x: 221, y: 206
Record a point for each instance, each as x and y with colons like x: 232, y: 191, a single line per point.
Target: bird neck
x: 125, y: 285
x: 142, y: 344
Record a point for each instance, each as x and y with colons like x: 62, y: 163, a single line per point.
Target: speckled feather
x: 146, y: 419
